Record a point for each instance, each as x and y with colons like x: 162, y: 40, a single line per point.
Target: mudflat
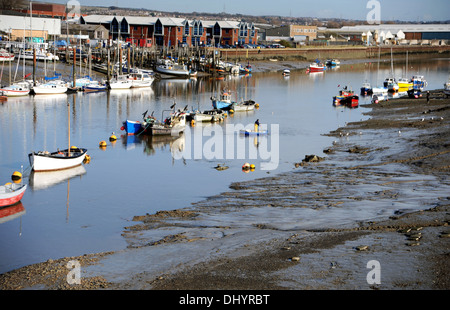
x: 388, y: 174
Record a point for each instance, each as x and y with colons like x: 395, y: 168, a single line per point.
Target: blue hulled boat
x: 132, y: 127
x: 223, y: 102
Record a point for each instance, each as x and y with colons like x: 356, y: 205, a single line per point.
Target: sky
x: 404, y: 10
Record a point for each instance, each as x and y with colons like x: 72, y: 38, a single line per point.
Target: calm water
x: 85, y: 210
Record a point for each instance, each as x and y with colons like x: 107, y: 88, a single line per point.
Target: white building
x: 34, y: 29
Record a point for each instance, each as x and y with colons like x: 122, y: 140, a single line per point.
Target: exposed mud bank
x: 379, y: 194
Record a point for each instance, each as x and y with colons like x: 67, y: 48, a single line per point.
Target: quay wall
x: 342, y: 53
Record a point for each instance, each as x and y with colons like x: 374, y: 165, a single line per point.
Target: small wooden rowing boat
x: 11, y: 193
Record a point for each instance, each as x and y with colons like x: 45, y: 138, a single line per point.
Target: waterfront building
x: 171, y: 31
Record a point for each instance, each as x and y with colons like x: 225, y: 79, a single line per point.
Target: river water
x: 85, y: 210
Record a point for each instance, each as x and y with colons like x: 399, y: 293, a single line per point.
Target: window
x: 158, y: 28
x: 216, y: 29
x: 186, y: 29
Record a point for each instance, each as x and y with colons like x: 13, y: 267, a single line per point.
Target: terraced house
x: 170, y: 31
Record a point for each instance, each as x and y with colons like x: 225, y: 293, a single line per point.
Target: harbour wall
x: 342, y: 53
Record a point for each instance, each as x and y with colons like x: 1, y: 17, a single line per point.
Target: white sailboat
x: 141, y: 79
x: 59, y: 160
x: 52, y: 87
x: 16, y: 89
x: 120, y: 82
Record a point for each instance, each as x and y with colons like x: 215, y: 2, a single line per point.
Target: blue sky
x: 406, y: 10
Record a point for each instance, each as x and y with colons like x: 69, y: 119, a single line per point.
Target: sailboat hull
x: 44, y: 161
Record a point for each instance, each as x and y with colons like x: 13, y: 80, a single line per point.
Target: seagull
x: 423, y: 119
x: 399, y: 132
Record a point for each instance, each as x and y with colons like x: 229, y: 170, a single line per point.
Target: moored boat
x: 350, y: 101
x: 52, y: 87
x: 120, y: 82
x: 209, y: 116
x: 11, y: 193
x: 248, y: 132
x: 172, y: 125
x: 419, y: 82
x: 94, y: 86
x: 366, y: 89
x: 141, y: 79
x: 316, y: 67
x: 5, y: 55
x: 16, y: 89
x: 447, y: 88
x: 40, y: 55
x: 248, y: 105
x: 404, y: 83
x: 131, y: 127
x: 59, y: 160
x: 332, y: 62
x: 391, y: 84
x: 173, y: 69
x: 223, y: 102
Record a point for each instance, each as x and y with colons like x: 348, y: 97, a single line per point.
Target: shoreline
x: 269, y: 256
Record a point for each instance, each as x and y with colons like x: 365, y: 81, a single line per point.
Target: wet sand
x: 393, y: 168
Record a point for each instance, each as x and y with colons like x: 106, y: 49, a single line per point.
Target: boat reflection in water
x: 43, y: 180
x: 12, y: 212
x: 154, y: 143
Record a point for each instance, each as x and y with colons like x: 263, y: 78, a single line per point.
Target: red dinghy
x: 11, y: 194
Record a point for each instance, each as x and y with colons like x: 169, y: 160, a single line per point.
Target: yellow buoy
x: 252, y: 166
x: 102, y: 144
x: 112, y: 138
x: 231, y: 111
x: 257, y: 105
x: 16, y: 176
x: 246, y: 166
x: 87, y: 159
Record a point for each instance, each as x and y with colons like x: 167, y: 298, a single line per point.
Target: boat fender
x: 16, y: 176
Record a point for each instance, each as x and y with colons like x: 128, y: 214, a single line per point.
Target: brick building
x: 169, y: 31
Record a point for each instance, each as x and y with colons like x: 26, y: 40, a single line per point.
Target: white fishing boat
x: 16, y: 89
x: 244, y: 106
x: 5, y: 55
x: 50, y: 88
x: 40, y: 55
x: 120, y: 82
x: 173, y: 69
x: 141, y: 79
x: 391, y: 84
x: 209, y: 116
